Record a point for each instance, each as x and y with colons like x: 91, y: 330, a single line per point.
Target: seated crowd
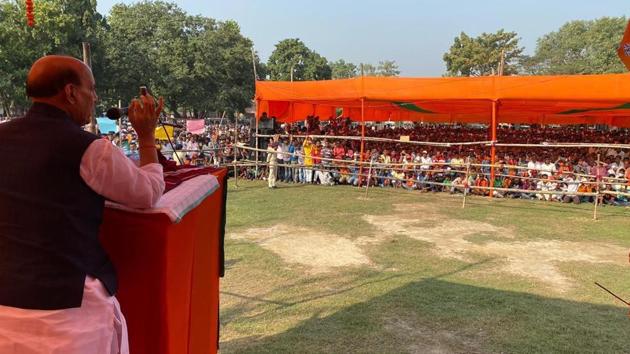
x: 574, y: 174
x: 547, y: 173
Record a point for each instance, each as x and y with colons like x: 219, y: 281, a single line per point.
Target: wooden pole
x: 120, y: 134
x: 254, y: 65
x: 597, y: 191
x: 256, y: 119
x: 493, y: 148
x: 369, y: 178
x: 362, y: 142
x: 235, y: 150
x: 87, y: 59
x: 466, y: 181
x: 596, y: 202
x: 501, y: 63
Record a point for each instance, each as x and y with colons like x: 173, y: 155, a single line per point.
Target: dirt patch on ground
x: 316, y: 250
x: 539, y: 259
x: 423, y: 339
x: 534, y: 259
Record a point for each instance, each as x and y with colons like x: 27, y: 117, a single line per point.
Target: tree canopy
x: 579, y: 47
x: 387, y: 68
x: 293, y: 55
x: 481, y: 55
x: 343, y: 70
x: 200, y: 64
x: 197, y: 63
x: 61, y: 27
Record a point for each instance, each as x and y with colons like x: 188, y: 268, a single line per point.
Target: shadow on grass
x: 584, y: 209
x: 434, y: 315
x: 230, y: 314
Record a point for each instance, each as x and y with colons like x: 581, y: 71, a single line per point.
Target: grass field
x: 314, y: 269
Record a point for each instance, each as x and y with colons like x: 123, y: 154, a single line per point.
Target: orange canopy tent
x: 571, y: 99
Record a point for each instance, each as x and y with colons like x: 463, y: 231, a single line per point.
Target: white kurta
x: 98, y: 326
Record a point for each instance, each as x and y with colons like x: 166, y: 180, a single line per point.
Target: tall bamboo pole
x: 120, y: 121
x: 466, y: 181
x: 369, y: 178
x: 256, y: 120
x: 254, y: 65
x: 235, y: 150
x: 362, y: 141
x: 87, y: 59
x: 597, y: 191
x: 493, y: 148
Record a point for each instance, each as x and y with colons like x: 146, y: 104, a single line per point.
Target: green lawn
x: 428, y: 276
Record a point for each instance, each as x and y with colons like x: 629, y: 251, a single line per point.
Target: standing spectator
x: 272, y: 162
x: 291, y: 160
x: 280, y: 159
x: 307, y: 148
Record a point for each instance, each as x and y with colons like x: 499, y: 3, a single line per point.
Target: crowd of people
x: 574, y: 174
x: 216, y: 146
x: 548, y: 173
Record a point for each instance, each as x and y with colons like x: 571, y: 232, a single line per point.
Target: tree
x: 292, y: 55
x: 197, y: 64
x: 60, y: 28
x: 388, y: 68
x: 368, y: 70
x: 481, y: 55
x: 343, y: 70
x: 579, y: 47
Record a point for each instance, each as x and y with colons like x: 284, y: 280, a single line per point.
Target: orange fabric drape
x: 569, y: 99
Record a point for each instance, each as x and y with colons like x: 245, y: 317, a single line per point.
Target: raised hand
x: 143, y: 115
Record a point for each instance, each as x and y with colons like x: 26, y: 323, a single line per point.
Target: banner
x: 624, y: 48
x: 106, y: 125
x: 195, y: 126
x: 161, y: 135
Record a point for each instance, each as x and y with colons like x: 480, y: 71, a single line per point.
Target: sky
x: 415, y: 34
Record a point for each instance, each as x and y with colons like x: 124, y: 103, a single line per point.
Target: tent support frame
x: 362, y: 141
x: 493, y: 149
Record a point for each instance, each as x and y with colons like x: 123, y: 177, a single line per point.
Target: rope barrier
x: 331, y: 166
x: 449, y: 144
x: 431, y: 183
x: 385, y: 140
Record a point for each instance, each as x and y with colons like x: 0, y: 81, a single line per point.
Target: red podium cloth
x: 169, y: 274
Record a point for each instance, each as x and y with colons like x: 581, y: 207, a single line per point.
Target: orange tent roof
x: 571, y: 99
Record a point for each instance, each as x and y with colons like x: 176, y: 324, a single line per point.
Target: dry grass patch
x: 533, y: 259
x: 317, y: 251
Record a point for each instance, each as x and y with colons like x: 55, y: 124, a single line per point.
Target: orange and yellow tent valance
x: 571, y: 99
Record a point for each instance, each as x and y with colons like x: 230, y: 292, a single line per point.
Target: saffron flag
x: 624, y: 48
x: 160, y: 134
x: 195, y: 126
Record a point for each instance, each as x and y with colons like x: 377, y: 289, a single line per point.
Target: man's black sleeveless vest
x: 49, y: 217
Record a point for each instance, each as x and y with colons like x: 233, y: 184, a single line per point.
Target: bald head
x: 50, y: 74
x: 64, y: 82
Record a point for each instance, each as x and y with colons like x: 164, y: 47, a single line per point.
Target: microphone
x: 170, y: 124
x: 115, y: 113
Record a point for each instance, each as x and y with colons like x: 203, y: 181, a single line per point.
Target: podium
x: 169, y: 260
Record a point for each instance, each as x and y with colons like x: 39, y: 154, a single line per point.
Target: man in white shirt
x: 426, y: 161
x: 272, y: 163
x: 280, y: 160
x: 548, y: 167
x: 571, y: 187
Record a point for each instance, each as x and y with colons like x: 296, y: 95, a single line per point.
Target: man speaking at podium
x: 57, y: 284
